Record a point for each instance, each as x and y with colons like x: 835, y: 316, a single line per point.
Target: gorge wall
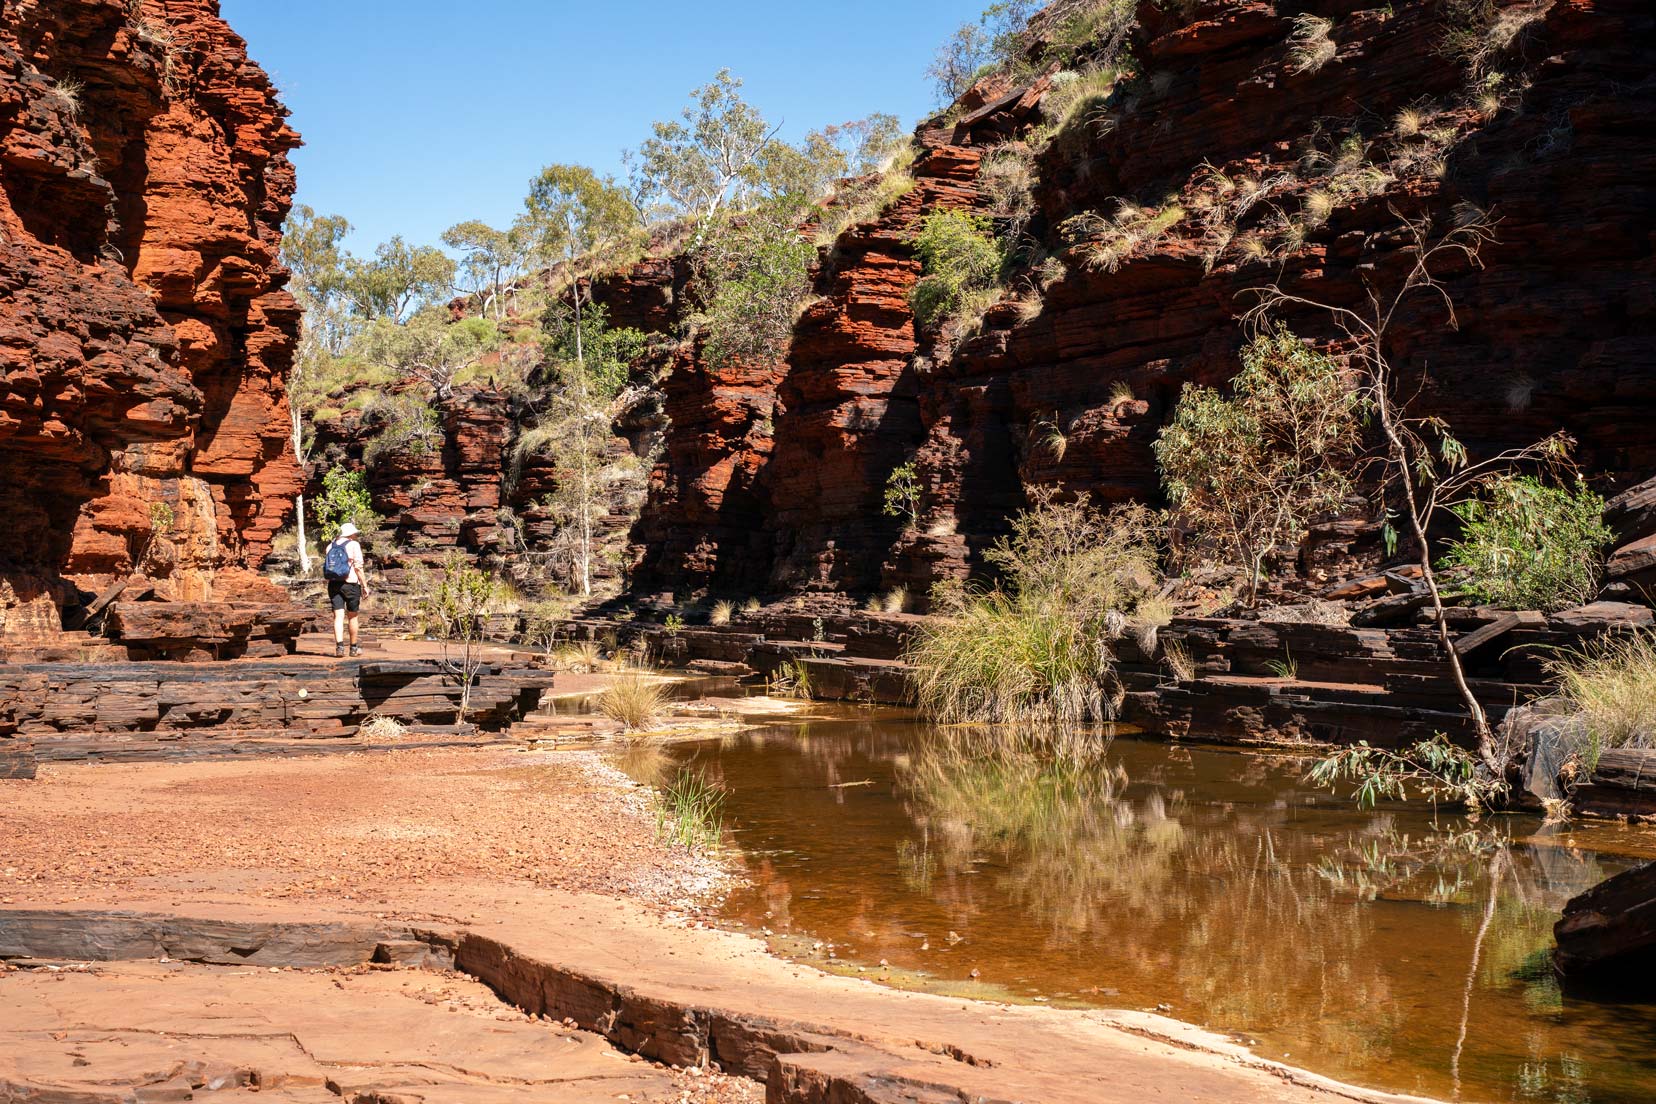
x: 145, y: 337
x: 1287, y: 169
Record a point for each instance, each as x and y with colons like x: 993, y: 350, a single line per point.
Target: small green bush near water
x: 689, y: 810
x: 1248, y: 472
x: 1526, y: 544
x: 1434, y: 768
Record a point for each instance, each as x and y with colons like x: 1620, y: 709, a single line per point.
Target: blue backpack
x: 336, y: 566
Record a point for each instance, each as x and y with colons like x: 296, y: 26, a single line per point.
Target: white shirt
x: 353, y: 553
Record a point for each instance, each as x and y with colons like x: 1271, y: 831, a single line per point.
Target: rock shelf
x: 709, y: 1000
x: 162, y: 710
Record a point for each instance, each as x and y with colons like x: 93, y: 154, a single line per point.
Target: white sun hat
x: 349, y: 529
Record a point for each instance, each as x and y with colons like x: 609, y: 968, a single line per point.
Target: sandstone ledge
x: 698, y: 997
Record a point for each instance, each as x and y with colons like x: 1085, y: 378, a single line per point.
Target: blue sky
x: 418, y: 114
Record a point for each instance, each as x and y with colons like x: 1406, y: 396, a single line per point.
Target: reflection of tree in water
x: 1216, y: 882
x: 1239, y: 915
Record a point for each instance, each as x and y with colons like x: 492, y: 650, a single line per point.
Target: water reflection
x: 1399, y: 948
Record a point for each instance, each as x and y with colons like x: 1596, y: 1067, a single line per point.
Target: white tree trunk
x: 583, y: 558
x: 299, y: 501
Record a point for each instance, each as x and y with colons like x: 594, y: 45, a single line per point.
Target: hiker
x: 347, y: 579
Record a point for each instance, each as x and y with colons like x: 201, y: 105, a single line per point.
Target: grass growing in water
x: 1612, y: 681
x: 1038, y: 649
x: 689, y: 811
x: 634, y: 700
x: 793, y: 680
x: 1006, y: 658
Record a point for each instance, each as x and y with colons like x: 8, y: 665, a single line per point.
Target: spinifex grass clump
x: 689, y: 811
x: 1037, y: 648
x: 634, y: 700
x: 1612, y: 682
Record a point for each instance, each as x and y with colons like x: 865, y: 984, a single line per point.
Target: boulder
x: 1610, y: 929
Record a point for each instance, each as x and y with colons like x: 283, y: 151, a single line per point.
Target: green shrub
x: 344, y: 498
x: 958, y: 255
x: 608, y: 352
x: 1527, y: 545
x: 409, y: 427
x: 1248, y: 472
x: 902, y: 493
x: 751, y: 275
x: 455, y: 605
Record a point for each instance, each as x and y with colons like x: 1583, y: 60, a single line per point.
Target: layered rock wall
x: 776, y: 486
x: 144, y: 334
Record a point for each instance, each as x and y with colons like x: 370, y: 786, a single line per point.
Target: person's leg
x: 336, y: 599
x: 353, y: 603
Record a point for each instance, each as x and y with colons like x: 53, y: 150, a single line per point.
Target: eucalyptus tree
x: 694, y: 166
x: 492, y: 262
x: 312, y: 250
x: 397, y: 282
x: 575, y: 214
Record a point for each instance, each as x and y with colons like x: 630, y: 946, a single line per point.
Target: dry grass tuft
x: 67, y: 92
x: 1054, y: 441
x: 1612, y: 682
x: 896, y: 600
x: 1309, y: 44
x: 1318, y: 205
x: 722, y: 612
x: 1105, y: 244
x: 1153, y: 614
x: 634, y: 700
x: 378, y: 729
x: 1179, y: 663
x: 581, y: 657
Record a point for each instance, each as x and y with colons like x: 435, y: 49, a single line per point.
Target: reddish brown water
x: 1396, y: 948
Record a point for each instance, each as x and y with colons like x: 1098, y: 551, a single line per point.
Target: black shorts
x: 344, y: 596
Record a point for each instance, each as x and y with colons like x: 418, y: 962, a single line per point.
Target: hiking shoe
x: 339, y: 651
x: 356, y: 649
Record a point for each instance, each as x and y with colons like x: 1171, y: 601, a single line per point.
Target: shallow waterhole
x: 1401, y: 948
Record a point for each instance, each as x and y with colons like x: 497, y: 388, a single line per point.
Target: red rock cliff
x: 144, y: 333
x: 1557, y: 322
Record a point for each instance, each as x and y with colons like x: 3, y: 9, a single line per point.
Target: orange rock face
x: 145, y: 337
